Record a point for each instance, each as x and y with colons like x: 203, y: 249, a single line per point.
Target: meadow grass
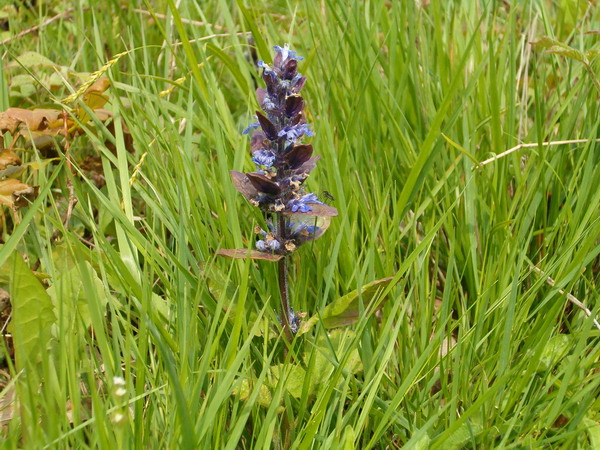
x: 474, y: 347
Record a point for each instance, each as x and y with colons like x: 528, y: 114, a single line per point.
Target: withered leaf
x: 243, y: 253
x: 103, y: 114
x: 267, y: 126
x: 100, y: 85
x: 25, y: 196
x: 42, y: 140
x: 298, y: 155
x: 8, y: 158
x: 263, y: 184
x: 14, y: 192
x: 243, y: 184
x: 8, y: 123
x: 316, y: 210
x: 35, y: 120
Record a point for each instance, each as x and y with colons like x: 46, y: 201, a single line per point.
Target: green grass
x: 472, y: 349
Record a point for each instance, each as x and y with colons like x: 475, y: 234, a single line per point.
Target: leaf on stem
x: 298, y: 155
x: 244, y: 253
x: 293, y: 105
x: 308, y: 165
x: 243, y: 184
x: 263, y: 184
x: 267, y: 126
x: 317, y: 210
x: 290, y: 69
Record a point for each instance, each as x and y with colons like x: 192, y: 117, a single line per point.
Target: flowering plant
x: 283, y: 164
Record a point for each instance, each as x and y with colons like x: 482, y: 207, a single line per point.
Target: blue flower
x: 293, y: 133
x: 286, y: 53
x: 302, y: 204
x: 263, y: 158
x: 294, y: 321
x: 268, y: 104
x: 252, y: 126
x: 268, y: 246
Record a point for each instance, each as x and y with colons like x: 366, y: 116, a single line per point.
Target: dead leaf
x: 8, y: 123
x: 34, y: 119
x: 8, y: 158
x: 243, y: 253
x: 99, y: 86
x: 7, y: 405
x: 15, y: 193
x: 316, y: 210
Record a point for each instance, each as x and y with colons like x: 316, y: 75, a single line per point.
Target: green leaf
x: 294, y: 380
x: 32, y: 313
x: 294, y: 376
x: 338, y: 340
x: 32, y: 59
x: 423, y: 442
x: 346, y: 310
x: 348, y: 438
x: 555, y: 349
x: 593, y: 430
x: 69, y: 298
x: 467, y: 432
x: 244, y: 390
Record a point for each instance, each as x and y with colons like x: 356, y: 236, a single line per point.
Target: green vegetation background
x: 473, y: 347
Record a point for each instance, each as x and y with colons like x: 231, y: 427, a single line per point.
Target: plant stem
x: 283, y: 282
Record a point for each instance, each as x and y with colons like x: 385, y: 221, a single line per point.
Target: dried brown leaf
x: 34, y: 120
x: 8, y: 123
x: 317, y: 210
x: 8, y: 158
x: 15, y: 193
x: 243, y: 185
x: 99, y: 86
x: 243, y: 253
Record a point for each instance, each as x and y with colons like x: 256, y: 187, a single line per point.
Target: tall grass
x: 473, y: 348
